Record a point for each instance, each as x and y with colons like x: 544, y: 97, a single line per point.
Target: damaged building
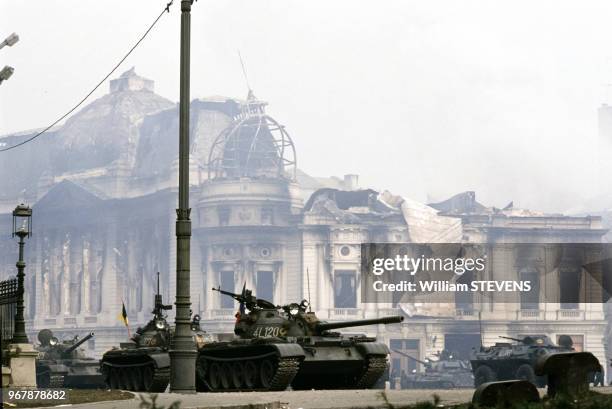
x: 103, y: 189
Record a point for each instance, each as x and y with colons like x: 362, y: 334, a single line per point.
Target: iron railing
x: 8, y: 307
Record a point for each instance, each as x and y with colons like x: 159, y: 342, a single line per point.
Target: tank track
x: 159, y: 383
x: 376, y: 366
x: 286, y: 370
x: 56, y: 381
x: 161, y: 378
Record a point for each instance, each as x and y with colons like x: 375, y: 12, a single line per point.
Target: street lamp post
x: 7, y: 71
x: 10, y: 40
x: 22, y: 228
x: 182, y: 350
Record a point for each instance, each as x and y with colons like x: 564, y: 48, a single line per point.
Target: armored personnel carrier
x: 64, y: 365
x: 445, y: 373
x: 505, y: 361
x: 282, y: 346
x: 143, y: 364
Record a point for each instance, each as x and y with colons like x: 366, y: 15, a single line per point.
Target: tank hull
x: 256, y: 365
x: 341, y: 364
x: 78, y: 374
x: 139, y: 370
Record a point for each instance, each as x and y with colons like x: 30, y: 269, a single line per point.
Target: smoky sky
x: 423, y: 98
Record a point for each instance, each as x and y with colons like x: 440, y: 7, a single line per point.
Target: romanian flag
x: 124, y: 318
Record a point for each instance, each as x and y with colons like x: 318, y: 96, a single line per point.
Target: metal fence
x: 8, y: 306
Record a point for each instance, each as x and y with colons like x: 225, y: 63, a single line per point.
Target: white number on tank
x: 267, y: 332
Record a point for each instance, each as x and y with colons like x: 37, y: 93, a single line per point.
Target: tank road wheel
x: 147, y: 378
x: 266, y: 373
x: 113, y: 377
x: 124, y: 379
x: 483, y: 374
x: 43, y: 378
x: 128, y: 379
x: 201, y: 372
x: 250, y: 374
x: 525, y: 372
x: 237, y: 375
x: 137, y: 379
x: 214, y: 376
x: 226, y: 375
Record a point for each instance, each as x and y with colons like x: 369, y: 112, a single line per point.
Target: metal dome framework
x: 253, y: 145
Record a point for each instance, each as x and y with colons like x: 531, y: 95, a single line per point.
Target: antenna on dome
x: 246, y: 79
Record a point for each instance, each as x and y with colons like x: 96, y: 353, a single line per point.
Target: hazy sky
x: 424, y: 98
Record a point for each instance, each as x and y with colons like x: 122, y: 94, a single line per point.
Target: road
x: 340, y: 399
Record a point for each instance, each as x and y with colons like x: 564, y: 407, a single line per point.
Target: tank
x: 505, y: 361
x: 64, y: 364
x: 281, y: 346
x: 447, y: 372
x: 143, y: 363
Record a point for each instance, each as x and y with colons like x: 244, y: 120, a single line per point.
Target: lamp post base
x: 22, y: 362
x: 183, y: 370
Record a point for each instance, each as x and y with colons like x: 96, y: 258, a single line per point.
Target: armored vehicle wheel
x: 266, y: 373
x: 237, y: 375
x: 250, y: 374
x: 147, y: 377
x: 214, y: 375
x: 483, y: 374
x: 525, y: 372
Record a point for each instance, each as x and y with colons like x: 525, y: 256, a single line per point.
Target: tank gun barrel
x: 411, y: 357
x: 80, y: 342
x: 357, y: 323
x: 512, y: 339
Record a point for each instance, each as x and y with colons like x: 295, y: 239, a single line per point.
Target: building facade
x: 104, y: 225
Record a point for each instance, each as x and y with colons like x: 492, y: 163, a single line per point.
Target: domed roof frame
x: 252, y: 115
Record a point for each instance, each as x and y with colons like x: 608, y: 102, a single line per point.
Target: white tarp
x: 424, y: 223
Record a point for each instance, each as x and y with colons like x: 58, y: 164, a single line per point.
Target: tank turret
x: 268, y: 320
x: 444, y: 373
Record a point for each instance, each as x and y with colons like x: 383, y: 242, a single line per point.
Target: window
x: 530, y: 300
x: 345, y: 289
x: 569, y: 289
x: 224, y: 215
x: 265, y: 285
x: 266, y: 216
x: 464, y: 300
x: 226, y: 281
